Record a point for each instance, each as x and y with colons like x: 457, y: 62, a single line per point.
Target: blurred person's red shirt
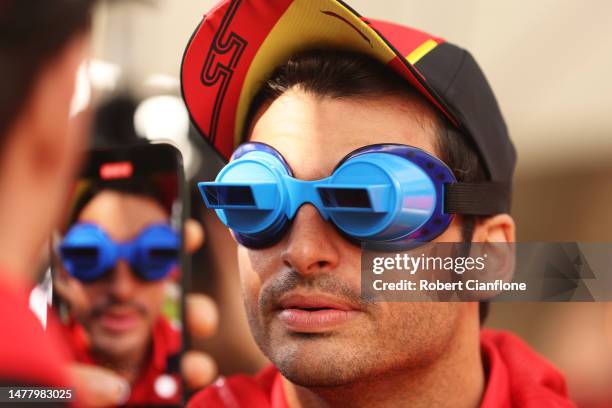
x: 29, y: 354
x: 159, y: 383
x: 515, y: 375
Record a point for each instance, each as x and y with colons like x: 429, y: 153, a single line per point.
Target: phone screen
x: 119, y: 269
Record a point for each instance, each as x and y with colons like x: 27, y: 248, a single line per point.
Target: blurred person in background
x: 232, y: 346
x: 307, y: 86
x: 113, y: 122
x: 114, y: 316
x: 42, y: 45
x: 579, y: 340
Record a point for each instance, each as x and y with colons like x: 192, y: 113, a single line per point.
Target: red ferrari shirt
x: 159, y: 383
x: 29, y: 355
x: 516, y: 377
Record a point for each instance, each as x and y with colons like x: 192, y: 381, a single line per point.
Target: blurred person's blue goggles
x: 377, y: 193
x: 87, y: 252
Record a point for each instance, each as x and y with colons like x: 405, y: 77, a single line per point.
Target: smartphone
x: 120, y: 272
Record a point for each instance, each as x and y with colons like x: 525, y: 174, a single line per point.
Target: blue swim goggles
x: 382, y: 193
x: 87, y: 252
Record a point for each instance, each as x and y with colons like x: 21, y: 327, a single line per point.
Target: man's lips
x: 315, y: 313
x: 119, y: 320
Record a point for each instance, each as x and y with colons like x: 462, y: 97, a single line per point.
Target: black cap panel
x: 458, y: 79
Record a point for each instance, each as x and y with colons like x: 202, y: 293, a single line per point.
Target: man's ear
x: 497, y: 228
x: 497, y: 237
x: 68, y: 288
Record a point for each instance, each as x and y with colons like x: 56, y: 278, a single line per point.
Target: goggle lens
x: 88, y: 253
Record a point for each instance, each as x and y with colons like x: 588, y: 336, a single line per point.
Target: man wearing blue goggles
x: 119, y: 259
x: 87, y: 252
x: 357, y: 131
x: 323, y: 171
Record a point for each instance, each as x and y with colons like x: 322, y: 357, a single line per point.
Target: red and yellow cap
x: 240, y: 42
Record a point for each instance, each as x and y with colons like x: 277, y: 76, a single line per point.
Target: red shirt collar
x: 24, y: 344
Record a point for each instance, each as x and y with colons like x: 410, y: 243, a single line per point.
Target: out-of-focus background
x: 548, y: 62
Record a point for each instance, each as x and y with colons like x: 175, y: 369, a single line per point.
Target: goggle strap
x: 487, y: 198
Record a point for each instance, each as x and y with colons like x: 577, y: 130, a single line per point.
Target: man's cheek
x: 85, y: 307
x: 250, y: 282
x: 249, y: 264
x: 153, y: 299
x: 264, y: 262
x: 452, y: 233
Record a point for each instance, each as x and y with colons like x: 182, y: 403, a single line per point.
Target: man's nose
x: 123, y: 281
x: 312, y: 245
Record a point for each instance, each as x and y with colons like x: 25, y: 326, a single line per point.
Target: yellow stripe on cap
x: 421, y: 51
x: 307, y: 24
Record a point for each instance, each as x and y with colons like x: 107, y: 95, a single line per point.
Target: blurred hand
x: 198, y: 368
x: 97, y: 386
x: 100, y: 387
